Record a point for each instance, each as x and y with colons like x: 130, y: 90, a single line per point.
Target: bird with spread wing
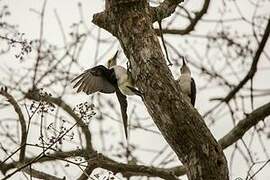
x: 110, y: 79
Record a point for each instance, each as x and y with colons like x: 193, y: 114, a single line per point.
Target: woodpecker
x: 110, y: 79
x: 187, y: 83
x: 124, y: 78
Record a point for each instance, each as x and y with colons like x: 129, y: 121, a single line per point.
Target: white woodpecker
x: 187, y: 83
x: 110, y: 79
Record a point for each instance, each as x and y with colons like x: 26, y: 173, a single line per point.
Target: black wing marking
x: 193, y: 92
x: 123, y: 104
x: 94, y: 80
x: 135, y: 91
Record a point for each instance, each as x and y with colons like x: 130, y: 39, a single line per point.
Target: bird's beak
x: 115, y: 55
x: 184, y: 62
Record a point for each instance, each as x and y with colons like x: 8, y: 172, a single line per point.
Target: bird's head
x: 112, y: 61
x: 184, y: 69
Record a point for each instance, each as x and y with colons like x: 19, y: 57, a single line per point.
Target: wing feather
x: 80, y: 77
x: 193, y: 92
x: 93, y: 80
x: 123, y: 104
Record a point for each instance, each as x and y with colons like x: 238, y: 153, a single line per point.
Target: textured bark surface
x: 180, y: 124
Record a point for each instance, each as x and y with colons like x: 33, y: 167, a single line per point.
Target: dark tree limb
x: 180, y: 124
x: 253, y: 69
x: 51, y: 157
x: 125, y: 169
x: 139, y: 170
x: 233, y: 136
x: 165, y: 9
x: 22, y: 166
x: 132, y: 170
x: 237, y: 132
x: 41, y: 175
x: 192, y: 21
x: 104, y: 162
x: 13, y: 102
x: 244, y: 125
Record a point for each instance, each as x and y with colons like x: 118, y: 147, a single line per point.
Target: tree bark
x: 180, y: 124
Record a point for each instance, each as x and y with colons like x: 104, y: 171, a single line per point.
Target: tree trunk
x: 180, y: 124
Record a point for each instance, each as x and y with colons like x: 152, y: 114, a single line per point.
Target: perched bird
x: 124, y: 78
x: 113, y: 78
x: 187, y: 83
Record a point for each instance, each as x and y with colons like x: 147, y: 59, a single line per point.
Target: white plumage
x: 123, y: 80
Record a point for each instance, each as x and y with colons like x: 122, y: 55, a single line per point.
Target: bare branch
x: 107, y: 163
x: 42, y: 15
x: 244, y: 125
x: 253, y: 68
x: 34, y: 95
x: 13, y: 102
x: 22, y: 166
x: 41, y: 175
x: 237, y: 132
x: 165, y: 9
x: 49, y: 157
x: 132, y: 170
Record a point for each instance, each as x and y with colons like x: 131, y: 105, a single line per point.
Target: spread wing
x: 93, y: 80
x: 123, y: 104
x: 193, y: 92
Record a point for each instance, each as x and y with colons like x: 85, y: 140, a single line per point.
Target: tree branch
x: 105, y: 162
x: 41, y: 175
x: 165, y: 9
x: 21, y: 166
x: 51, y: 157
x: 132, y: 170
x: 34, y: 95
x: 253, y: 68
x: 162, y: 9
x: 244, y: 125
x: 13, y: 102
x: 237, y: 132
